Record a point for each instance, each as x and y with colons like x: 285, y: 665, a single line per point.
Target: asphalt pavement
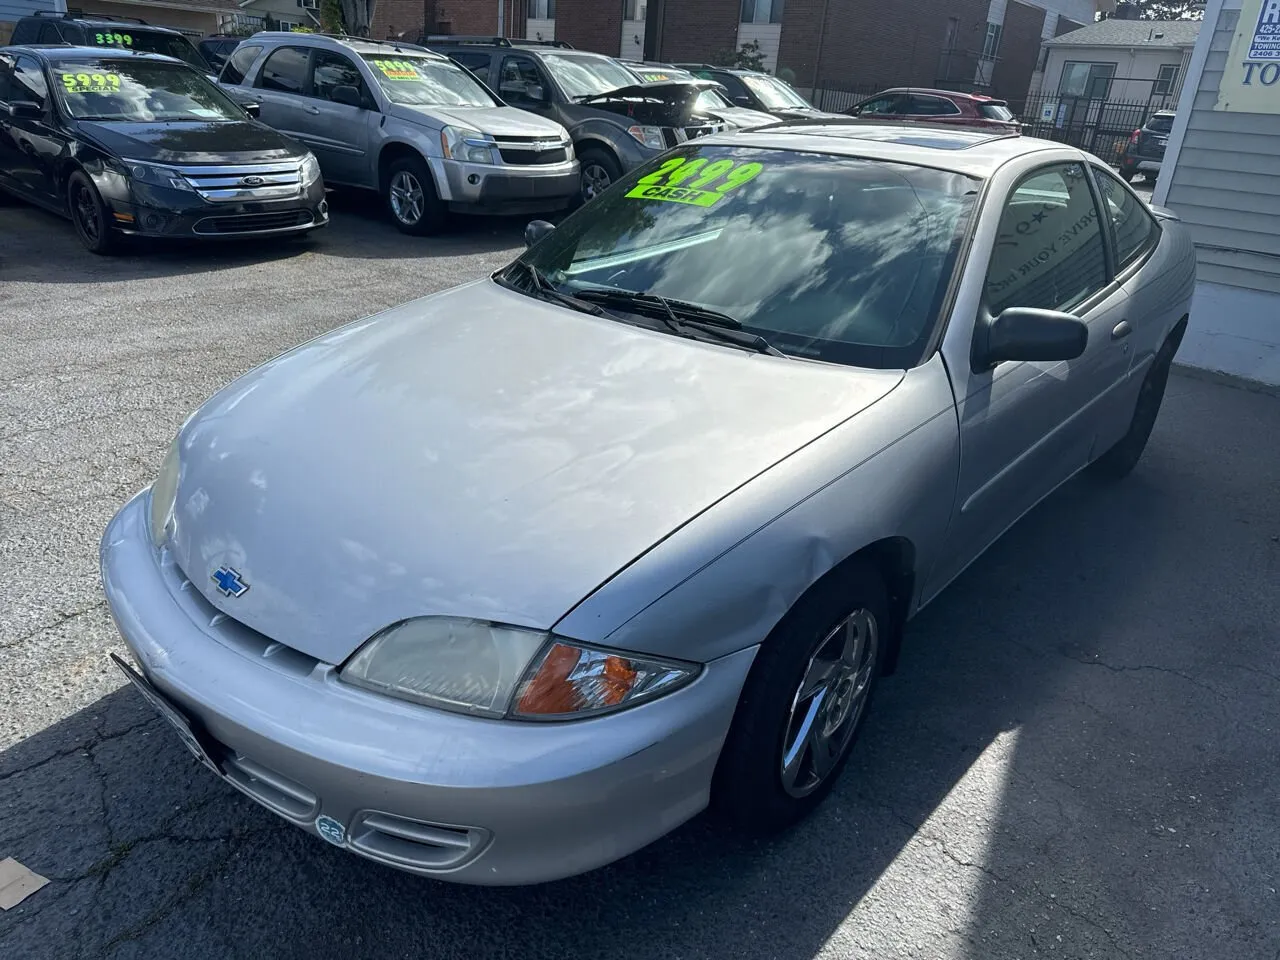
x: 1078, y: 757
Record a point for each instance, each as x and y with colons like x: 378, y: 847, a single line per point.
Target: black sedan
x: 130, y: 143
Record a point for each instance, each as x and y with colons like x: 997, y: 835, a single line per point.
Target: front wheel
x: 599, y: 172
x: 803, y: 703
x: 1127, y: 172
x: 411, y: 198
x: 89, y: 215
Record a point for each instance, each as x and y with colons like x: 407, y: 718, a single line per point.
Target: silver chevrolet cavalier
x: 505, y: 583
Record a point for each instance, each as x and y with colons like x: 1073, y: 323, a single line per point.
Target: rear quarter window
x: 995, y: 111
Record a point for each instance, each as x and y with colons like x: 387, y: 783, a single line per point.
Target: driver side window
x: 1048, y: 251
x: 519, y: 76
x: 330, y: 70
x: 880, y: 107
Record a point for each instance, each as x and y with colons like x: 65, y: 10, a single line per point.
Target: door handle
x: 1121, y: 330
x: 314, y: 111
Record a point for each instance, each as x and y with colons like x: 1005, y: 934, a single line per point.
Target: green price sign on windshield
x: 113, y: 40
x: 695, y: 182
x: 91, y: 82
x: 397, y: 69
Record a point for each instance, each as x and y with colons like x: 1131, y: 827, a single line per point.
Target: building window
x: 953, y: 31
x: 546, y: 10
x: 991, y: 44
x: 1165, y: 79
x: 635, y: 10
x: 1091, y: 80
x: 762, y: 11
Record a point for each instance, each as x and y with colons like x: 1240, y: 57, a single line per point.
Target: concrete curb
x: 1227, y: 379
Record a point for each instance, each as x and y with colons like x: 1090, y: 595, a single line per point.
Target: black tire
x: 748, y: 790
x: 89, y: 215
x: 1118, y: 462
x: 599, y: 170
x: 411, y: 198
x: 1127, y: 172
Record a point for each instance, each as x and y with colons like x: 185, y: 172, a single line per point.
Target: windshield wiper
x: 544, y: 289
x: 680, y: 315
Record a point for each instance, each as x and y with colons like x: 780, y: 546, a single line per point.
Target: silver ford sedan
x: 502, y: 584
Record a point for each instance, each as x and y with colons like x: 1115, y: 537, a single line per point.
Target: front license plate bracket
x: 181, y: 725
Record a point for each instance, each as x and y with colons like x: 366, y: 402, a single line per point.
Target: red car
x: 938, y: 106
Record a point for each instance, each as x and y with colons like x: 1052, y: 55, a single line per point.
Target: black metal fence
x: 1097, y: 125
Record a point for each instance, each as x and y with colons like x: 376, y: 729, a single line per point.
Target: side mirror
x: 536, y: 93
x: 536, y: 230
x: 1026, y: 333
x: 25, y: 110
x: 346, y: 94
x: 254, y: 110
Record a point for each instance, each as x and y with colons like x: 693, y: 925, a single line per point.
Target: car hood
x: 744, y: 118
x: 197, y: 141
x: 665, y: 102
x: 479, y: 454
x: 499, y: 121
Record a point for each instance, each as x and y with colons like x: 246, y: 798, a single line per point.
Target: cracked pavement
x: 1077, y: 758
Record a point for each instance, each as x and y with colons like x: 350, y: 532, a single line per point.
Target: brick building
x: 987, y: 45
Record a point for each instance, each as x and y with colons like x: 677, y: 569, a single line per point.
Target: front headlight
x: 650, y: 136
x: 164, y: 493
x: 156, y: 175
x: 494, y: 670
x: 310, y: 170
x: 470, y: 146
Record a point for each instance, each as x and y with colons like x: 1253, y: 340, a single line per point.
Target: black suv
x: 758, y: 91
x: 98, y: 30
x: 1144, y: 152
x: 135, y: 143
x: 616, y: 120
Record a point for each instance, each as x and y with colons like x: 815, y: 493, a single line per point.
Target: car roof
x: 973, y: 152
x: 935, y: 92
x: 736, y: 71
x: 359, y: 45
x: 63, y: 51
x: 104, y: 21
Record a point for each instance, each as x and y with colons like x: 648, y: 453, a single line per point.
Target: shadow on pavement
x: 39, y: 247
x: 1070, y: 694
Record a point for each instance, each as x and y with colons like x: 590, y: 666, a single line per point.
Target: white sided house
x: 1221, y: 175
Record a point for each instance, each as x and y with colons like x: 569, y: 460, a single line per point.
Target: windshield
x: 711, y: 100
x: 586, y: 76
x: 995, y: 111
x: 419, y: 81
x: 834, y: 258
x: 773, y: 93
x: 656, y: 74
x: 127, y: 37
x: 139, y: 91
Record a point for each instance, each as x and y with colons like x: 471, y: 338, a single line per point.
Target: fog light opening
x: 473, y: 179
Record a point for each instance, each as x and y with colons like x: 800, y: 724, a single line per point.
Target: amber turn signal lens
x: 570, y: 679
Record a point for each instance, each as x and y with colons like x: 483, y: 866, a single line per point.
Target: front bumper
x: 507, y: 188
x: 435, y: 793
x: 149, y: 211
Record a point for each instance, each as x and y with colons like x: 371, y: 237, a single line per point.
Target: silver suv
x: 406, y: 122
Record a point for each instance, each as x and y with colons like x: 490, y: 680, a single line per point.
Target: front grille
x: 414, y: 843
x: 271, y: 789
x: 245, y: 181
x: 531, y: 158
x: 254, y: 222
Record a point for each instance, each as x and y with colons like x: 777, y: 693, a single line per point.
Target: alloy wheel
x: 407, y: 200
x: 86, y: 212
x: 595, y: 180
x: 829, y: 703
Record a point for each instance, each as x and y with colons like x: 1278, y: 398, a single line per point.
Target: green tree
x: 1170, y: 9
x: 331, y: 16
x: 747, y: 57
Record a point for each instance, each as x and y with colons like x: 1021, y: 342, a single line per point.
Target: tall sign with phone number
x: 1251, y: 78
